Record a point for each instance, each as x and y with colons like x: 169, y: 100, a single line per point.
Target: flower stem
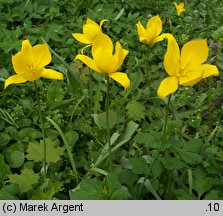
x: 163, y: 140
x: 165, y: 121
x: 107, y: 118
x: 70, y: 155
x: 43, y: 131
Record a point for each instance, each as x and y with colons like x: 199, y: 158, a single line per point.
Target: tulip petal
x: 153, y: 29
x: 89, y: 62
x: 92, y: 22
x: 102, y: 50
x: 26, y: 51
x: 81, y: 38
x: 125, y: 52
x: 191, y: 77
x: 156, y: 22
x: 172, y: 56
x: 102, y: 22
x: 168, y: 86
x: 194, y: 53
x: 15, y: 79
x: 151, y: 33
x: 161, y: 37
x: 91, y: 31
x: 26, y: 46
x: 85, y: 47
x: 41, y: 55
x: 104, y: 41
x: 198, y: 73
x: 180, y: 8
x: 120, y: 55
x: 141, y: 32
x: 52, y: 74
x: 209, y: 70
x: 104, y: 60
x: 33, y: 75
x: 121, y: 78
x: 20, y: 63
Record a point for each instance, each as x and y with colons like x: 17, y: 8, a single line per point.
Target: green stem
x: 72, y: 162
x: 164, y: 133
x: 107, y: 118
x: 43, y: 131
x: 165, y: 121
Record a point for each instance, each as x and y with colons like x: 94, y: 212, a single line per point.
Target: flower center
x: 181, y: 70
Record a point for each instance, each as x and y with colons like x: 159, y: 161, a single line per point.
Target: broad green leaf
x: 15, y: 158
x: 173, y: 163
x: 55, y: 92
x: 191, y: 157
x: 151, y: 139
x: 89, y: 189
x: 72, y: 137
x: 26, y: 180
x: 4, y: 168
x: 8, y: 192
x: 47, y: 191
x: 30, y: 132
x: 214, y: 195
x: 101, y: 120
x: 201, y: 183
x: 128, y: 174
x: 182, y: 194
x: 193, y: 145
x: 174, y: 144
x: 5, y: 138
x: 157, y: 168
x: 114, y: 189
x: 5, y: 195
x: 135, y: 110
x: 53, y: 152
x: 93, y: 189
x: 139, y: 165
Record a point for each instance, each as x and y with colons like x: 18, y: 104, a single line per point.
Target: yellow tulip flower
x: 180, y: 8
x: 104, y: 61
x: 29, y: 64
x: 152, y: 32
x: 90, y: 32
x: 186, y: 67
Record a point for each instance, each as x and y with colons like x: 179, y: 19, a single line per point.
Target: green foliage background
x: 190, y: 166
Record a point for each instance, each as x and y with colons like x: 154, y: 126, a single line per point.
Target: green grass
x: 189, y: 166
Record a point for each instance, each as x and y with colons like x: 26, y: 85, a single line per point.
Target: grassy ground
x: 189, y: 166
